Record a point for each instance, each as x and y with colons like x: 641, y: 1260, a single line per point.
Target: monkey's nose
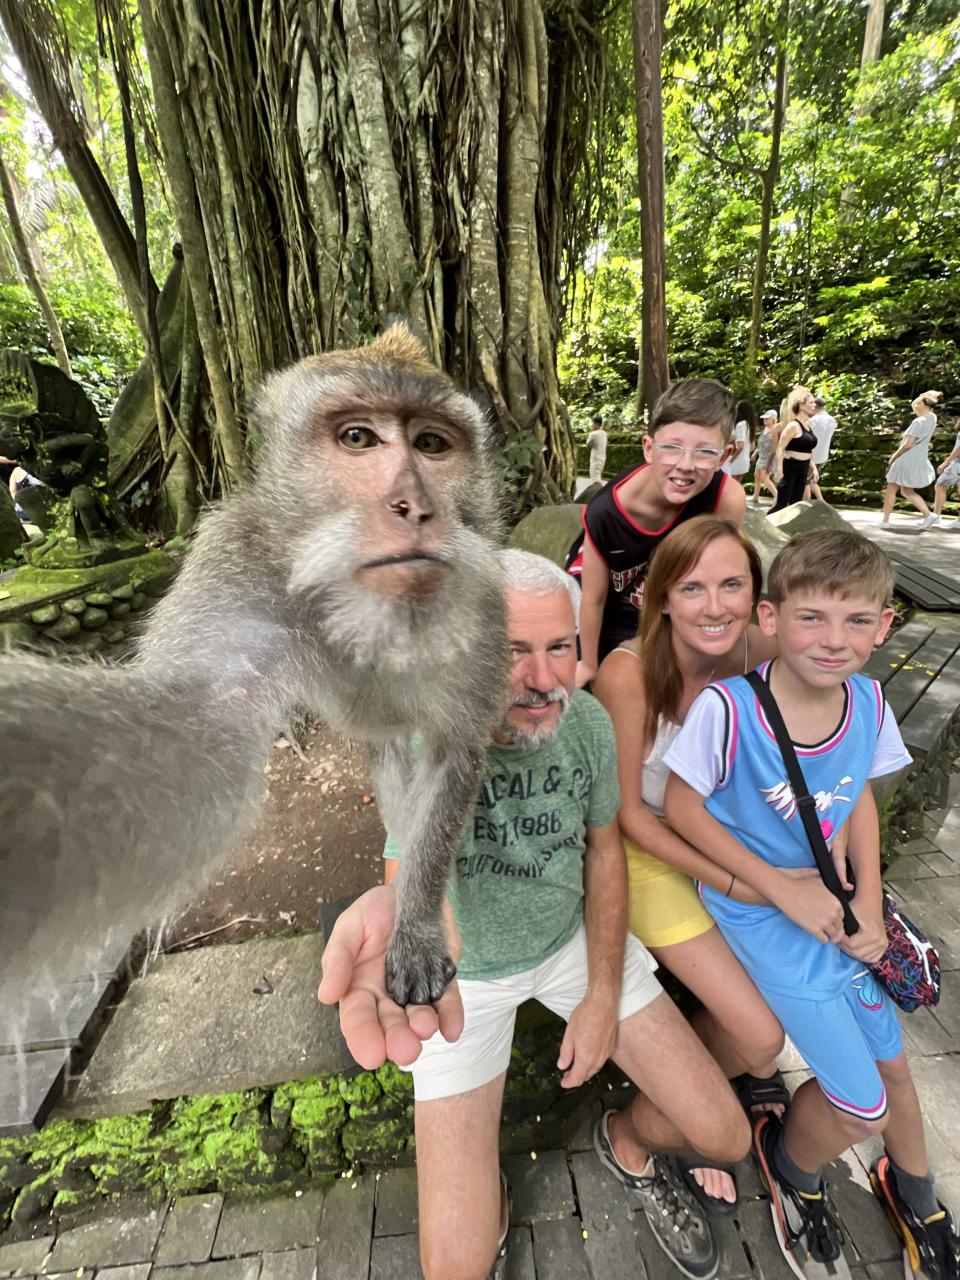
x: 410, y: 511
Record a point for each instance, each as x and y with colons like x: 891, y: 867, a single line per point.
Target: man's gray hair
x: 537, y: 576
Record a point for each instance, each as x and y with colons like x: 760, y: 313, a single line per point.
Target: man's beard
x: 539, y: 734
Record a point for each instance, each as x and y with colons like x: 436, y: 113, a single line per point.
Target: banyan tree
x: 334, y: 164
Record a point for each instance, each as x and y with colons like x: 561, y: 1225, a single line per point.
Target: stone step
x: 214, y: 1020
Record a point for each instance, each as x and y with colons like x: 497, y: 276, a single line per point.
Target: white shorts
x: 950, y: 474
x: 490, y: 1006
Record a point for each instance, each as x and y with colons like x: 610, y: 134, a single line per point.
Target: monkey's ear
x: 397, y: 345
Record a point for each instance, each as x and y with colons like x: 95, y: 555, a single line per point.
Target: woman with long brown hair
x: 701, y: 590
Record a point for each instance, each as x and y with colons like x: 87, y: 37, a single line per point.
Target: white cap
x: 769, y: 413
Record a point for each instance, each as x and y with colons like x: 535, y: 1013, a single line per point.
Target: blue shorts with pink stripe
x: 842, y: 1039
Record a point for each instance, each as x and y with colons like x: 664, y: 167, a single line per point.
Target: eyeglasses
x: 703, y: 457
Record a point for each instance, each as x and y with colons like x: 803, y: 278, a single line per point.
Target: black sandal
x: 760, y: 1091
x: 500, y: 1261
x: 712, y: 1204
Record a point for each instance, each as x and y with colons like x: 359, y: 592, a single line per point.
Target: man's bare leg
x: 686, y: 1104
x: 458, y: 1182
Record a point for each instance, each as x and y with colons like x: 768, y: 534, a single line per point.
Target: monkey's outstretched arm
x: 445, y: 784
x: 119, y: 788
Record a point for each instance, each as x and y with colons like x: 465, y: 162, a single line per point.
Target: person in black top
x: 797, y: 443
x: 680, y: 477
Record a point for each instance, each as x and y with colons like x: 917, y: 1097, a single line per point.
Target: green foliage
x: 103, y: 342
x: 863, y: 286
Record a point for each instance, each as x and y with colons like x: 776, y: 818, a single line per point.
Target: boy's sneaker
x: 929, y: 521
x: 931, y: 1247
x: 806, y: 1226
x: 675, y: 1218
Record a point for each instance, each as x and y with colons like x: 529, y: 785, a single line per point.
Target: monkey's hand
x: 374, y: 1026
x: 418, y: 962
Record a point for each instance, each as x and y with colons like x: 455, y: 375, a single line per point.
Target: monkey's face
x: 375, y: 491
x: 402, y: 476
x: 405, y: 474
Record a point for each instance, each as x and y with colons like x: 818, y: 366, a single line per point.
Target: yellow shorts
x: 665, y: 907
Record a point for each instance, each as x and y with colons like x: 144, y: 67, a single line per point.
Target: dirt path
x: 317, y: 842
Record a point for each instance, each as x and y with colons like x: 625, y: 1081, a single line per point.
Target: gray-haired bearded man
x: 539, y: 896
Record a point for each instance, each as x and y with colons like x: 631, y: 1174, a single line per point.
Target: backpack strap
x: 806, y: 805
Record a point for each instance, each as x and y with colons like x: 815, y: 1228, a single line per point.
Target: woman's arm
x: 906, y: 444
x: 619, y: 688
x: 787, y: 433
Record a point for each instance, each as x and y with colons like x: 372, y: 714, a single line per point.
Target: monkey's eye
x: 430, y: 442
x: 357, y: 438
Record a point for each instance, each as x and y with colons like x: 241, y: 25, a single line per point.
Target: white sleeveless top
x: 655, y: 772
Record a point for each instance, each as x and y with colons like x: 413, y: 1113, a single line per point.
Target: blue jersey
x: 728, y: 753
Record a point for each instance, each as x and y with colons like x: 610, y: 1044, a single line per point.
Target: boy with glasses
x: 680, y: 477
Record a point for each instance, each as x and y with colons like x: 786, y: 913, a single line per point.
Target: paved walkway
x: 571, y: 1220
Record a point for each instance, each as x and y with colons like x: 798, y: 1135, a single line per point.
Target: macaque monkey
x: 355, y: 575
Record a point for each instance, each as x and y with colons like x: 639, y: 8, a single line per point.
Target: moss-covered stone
x: 75, y: 605
x: 362, y: 1091
x: 34, y: 1201
x: 374, y: 1142
x: 46, y: 614
x: 65, y: 628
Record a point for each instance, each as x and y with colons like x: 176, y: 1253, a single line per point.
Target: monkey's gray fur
x: 121, y: 786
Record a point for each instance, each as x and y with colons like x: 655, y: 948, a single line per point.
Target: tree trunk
x: 870, y: 54
x: 337, y: 165
x: 21, y: 248
x: 48, y: 81
x: 873, y: 35
x: 768, y: 180
x: 647, y: 40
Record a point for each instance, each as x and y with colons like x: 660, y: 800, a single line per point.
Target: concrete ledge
x: 259, y: 1138
x: 216, y: 1020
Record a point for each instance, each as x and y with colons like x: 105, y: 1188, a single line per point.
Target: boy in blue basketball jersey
x: 729, y: 796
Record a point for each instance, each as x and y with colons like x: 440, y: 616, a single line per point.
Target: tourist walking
x: 910, y: 467
x: 948, y: 473
x: 597, y: 445
x: 766, y: 444
x: 795, y: 448
x: 823, y: 425
x: 744, y: 430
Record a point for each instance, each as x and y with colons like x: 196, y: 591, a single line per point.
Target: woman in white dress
x: 910, y: 467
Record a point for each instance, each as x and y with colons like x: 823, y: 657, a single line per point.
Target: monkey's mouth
x: 413, y: 558
x: 414, y: 575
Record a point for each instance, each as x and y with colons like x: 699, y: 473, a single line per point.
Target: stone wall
x: 284, y: 1136
x: 82, y: 610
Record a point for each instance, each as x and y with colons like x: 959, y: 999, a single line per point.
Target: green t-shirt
x: 516, y: 887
